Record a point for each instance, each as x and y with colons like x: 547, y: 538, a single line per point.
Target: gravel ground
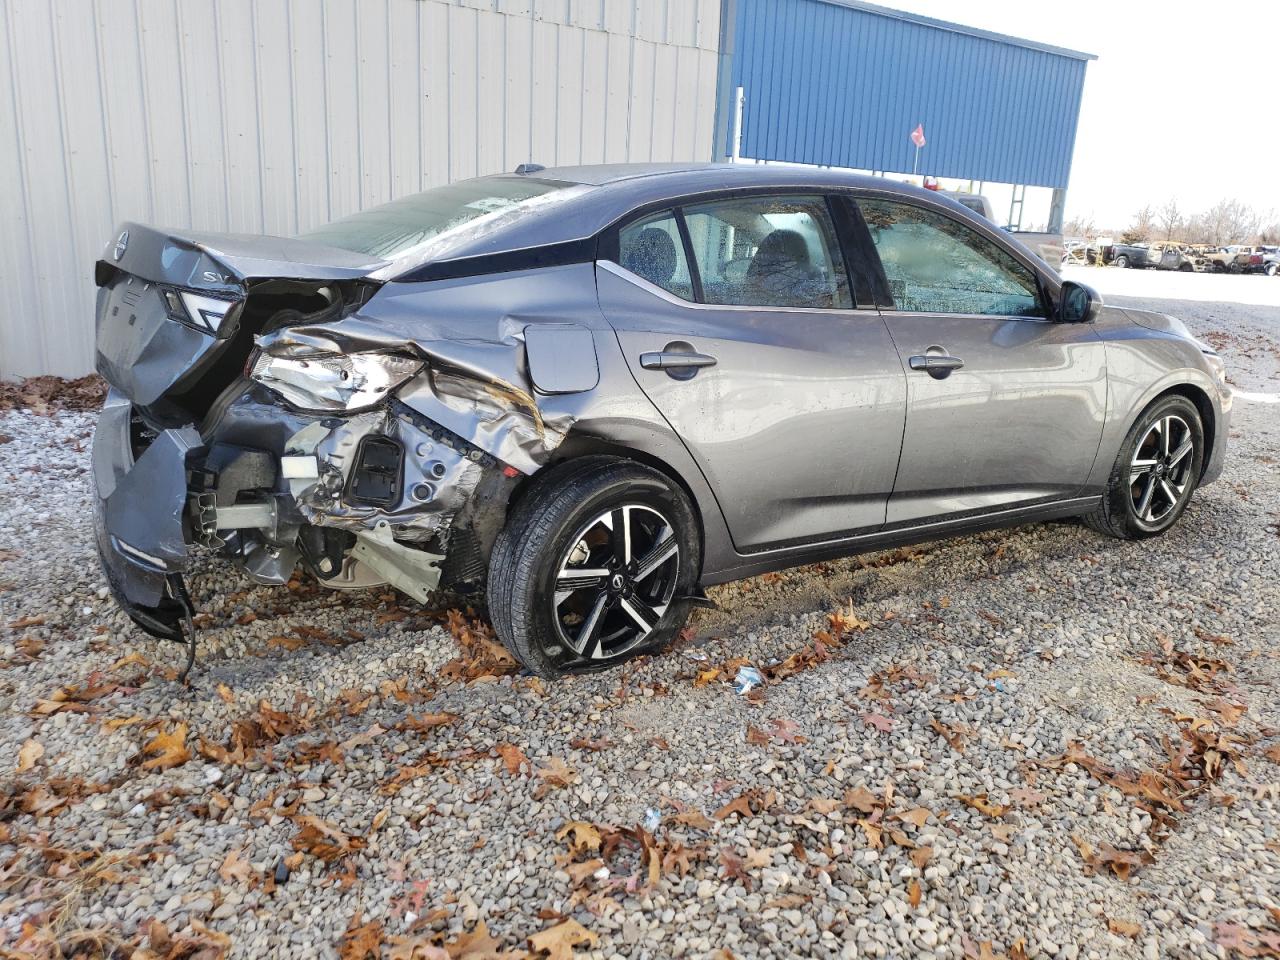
x: 1030, y: 743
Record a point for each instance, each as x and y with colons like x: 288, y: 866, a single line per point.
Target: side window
x: 768, y: 252
x: 938, y: 265
x: 651, y: 248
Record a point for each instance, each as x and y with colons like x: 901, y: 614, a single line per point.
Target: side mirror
x: 1078, y: 303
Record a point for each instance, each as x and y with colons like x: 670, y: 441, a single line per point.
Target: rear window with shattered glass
x: 938, y: 265
x: 394, y: 228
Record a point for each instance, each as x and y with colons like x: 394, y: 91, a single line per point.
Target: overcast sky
x: 1182, y: 100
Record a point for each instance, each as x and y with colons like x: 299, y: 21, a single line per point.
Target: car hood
x: 1161, y: 322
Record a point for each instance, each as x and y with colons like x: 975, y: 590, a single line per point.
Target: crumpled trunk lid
x: 154, y: 340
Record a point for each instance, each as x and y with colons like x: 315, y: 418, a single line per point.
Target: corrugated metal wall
x: 272, y: 116
x: 844, y: 84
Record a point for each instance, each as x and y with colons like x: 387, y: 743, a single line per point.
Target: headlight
x: 343, y: 382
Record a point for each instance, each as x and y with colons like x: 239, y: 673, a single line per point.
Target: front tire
x: 594, y: 566
x: 1155, y: 473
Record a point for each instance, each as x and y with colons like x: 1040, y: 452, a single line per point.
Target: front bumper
x: 139, y: 516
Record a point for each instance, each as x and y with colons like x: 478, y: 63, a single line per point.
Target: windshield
x: 389, y: 230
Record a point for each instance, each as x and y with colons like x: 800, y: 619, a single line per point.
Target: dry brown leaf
x: 363, y: 738
x: 861, y: 799
x: 953, y: 735
x: 170, y: 749
x: 983, y: 805
x: 379, y: 819
x: 225, y: 694
x: 28, y: 754
x: 920, y: 856
x: 1124, y: 928
x: 1003, y: 831
x: 557, y: 942
x: 427, y: 721
x: 824, y: 805
x: 513, y: 758
x: 579, y: 872
x: 415, y: 948
x: 918, y: 816
x: 477, y: 944
x: 874, y: 834
x: 740, y: 805
x: 556, y: 773
x: 913, y: 893
x: 786, y: 730
x: 115, y: 723
x: 583, y: 837
x: 1026, y: 796
x: 131, y: 659
x: 879, y: 721
x: 693, y: 818
x: 235, y: 867
x: 361, y: 941
x: 735, y: 868
x: 323, y: 840
x: 583, y: 743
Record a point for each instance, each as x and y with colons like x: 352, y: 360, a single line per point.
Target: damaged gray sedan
x: 585, y: 393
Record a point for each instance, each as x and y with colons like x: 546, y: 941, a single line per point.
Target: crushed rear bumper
x: 139, y: 516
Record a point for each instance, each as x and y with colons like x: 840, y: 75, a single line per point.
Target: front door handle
x: 673, y: 360
x: 937, y: 365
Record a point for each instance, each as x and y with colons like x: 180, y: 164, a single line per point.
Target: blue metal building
x: 843, y: 83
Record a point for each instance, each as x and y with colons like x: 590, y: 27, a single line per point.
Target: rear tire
x: 594, y: 566
x: 1155, y: 473
x: 1122, y: 261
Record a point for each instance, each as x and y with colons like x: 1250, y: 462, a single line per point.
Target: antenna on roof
x: 527, y: 168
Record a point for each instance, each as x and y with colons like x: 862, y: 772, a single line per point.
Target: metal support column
x: 1057, y: 209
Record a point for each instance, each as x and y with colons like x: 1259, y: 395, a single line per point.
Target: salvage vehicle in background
x: 1236, y: 259
x: 1049, y: 247
x: 1165, y: 255
x: 586, y: 393
x: 1270, y: 260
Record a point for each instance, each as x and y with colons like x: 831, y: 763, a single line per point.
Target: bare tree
x: 1079, y: 226
x: 1142, y: 227
x: 1229, y: 221
x: 1269, y: 232
x: 1169, y: 219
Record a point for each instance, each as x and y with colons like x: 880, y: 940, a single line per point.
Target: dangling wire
x: 178, y: 591
x: 189, y: 620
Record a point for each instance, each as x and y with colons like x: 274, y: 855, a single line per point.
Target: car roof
x: 604, y: 194
x: 709, y: 175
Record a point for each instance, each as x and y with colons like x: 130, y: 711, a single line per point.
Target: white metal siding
x: 273, y: 116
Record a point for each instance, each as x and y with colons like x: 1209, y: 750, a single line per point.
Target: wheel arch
x: 1203, y: 405
x: 646, y: 444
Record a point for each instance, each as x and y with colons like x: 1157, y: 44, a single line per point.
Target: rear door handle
x: 672, y: 360
x: 937, y: 366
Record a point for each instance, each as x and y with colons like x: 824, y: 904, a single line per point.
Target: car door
x: 1005, y: 406
x: 737, y: 319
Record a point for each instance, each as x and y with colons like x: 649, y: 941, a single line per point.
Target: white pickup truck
x: 1048, y: 246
